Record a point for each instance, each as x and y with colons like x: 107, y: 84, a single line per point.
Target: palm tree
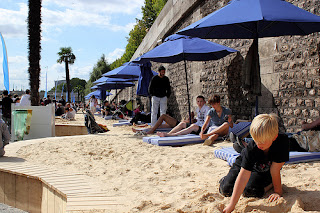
x: 66, y: 56
x: 34, y: 35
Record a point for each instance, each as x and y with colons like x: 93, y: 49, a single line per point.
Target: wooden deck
x: 35, y: 188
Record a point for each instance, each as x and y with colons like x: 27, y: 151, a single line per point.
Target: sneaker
x: 207, y: 142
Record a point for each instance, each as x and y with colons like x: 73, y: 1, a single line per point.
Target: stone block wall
x: 289, y: 73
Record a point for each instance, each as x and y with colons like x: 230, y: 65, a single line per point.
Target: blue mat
x: 241, y: 129
x: 127, y: 123
x: 229, y: 154
x: 174, y: 141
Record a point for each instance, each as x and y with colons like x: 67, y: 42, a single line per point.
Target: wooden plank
x: 22, y: 195
x: 51, y: 198
x: 44, y: 202
x: 10, y: 189
x: 59, y: 203
x: 35, y: 195
x: 1, y: 187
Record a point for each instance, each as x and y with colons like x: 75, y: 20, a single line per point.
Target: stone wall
x: 289, y: 72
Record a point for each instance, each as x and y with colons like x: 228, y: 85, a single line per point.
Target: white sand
x: 164, y: 179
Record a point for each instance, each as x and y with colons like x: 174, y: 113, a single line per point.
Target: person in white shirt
x: 183, y: 129
x: 25, y: 99
x: 70, y: 113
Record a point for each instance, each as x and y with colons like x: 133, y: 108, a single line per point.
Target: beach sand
x: 163, y: 179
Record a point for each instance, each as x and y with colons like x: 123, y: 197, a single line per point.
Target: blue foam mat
x: 229, y: 154
x: 174, y: 140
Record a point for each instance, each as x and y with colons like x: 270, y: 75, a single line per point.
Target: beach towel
x: 229, y: 154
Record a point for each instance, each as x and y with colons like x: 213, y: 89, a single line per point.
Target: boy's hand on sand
x: 273, y: 197
x: 229, y: 208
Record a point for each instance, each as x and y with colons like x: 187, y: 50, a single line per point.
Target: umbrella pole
x: 189, y: 108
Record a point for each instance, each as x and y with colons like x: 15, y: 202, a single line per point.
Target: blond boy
x: 258, y: 167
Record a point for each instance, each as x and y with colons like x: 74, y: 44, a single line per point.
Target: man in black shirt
x: 6, y: 109
x: 62, y: 101
x: 160, y: 90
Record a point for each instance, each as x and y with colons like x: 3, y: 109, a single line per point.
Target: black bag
x: 90, y: 123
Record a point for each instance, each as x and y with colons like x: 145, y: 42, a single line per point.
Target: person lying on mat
x: 220, y: 120
x: 258, y: 167
x: 170, y: 123
x: 184, y: 128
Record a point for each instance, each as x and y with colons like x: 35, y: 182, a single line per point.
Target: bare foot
x: 149, y: 132
x: 162, y: 134
x: 204, y: 136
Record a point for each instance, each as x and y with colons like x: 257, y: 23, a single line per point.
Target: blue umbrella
x: 128, y: 70
x: 144, y: 79
x: 108, y: 79
x: 181, y: 48
x: 113, y: 85
x: 253, y: 19
x: 96, y: 93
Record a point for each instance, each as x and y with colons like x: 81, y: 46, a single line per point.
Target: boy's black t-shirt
x: 253, y: 159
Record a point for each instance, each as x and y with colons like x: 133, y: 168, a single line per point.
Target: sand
x: 163, y: 179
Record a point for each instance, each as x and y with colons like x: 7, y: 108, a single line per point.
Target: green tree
x: 77, y: 82
x: 150, y: 11
x: 66, y: 56
x: 149, y: 14
x: 34, y: 37
x: 101, y: 67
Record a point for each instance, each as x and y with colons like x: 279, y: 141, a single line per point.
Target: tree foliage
x: 99, y: 69
x: 66, y: 55
x: 150, y: 12
x: 74, y: 83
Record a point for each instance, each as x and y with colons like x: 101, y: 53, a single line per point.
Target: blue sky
x: 90, y: 27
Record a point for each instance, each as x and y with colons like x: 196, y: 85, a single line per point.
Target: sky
x: 90, y: 27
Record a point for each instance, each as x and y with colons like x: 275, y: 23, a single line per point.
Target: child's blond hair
x: 264, y: 127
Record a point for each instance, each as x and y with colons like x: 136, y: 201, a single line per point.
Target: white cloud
x: 18, y: 60
x: 117, y: 53
x: 99, y: 6
x: 13, y: 23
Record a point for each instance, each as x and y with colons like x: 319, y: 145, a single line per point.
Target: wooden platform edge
x: 30, y: 193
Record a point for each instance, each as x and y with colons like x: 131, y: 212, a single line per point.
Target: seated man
x: 60, y: 110
x: 220, y: 120
x: 182, y: 129
x: 170, y: 123
x: 70, y: 113
x: 4, y: 136
x: 106, y: 109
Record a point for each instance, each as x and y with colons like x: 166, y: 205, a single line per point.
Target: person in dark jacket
x: 159, y: 89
